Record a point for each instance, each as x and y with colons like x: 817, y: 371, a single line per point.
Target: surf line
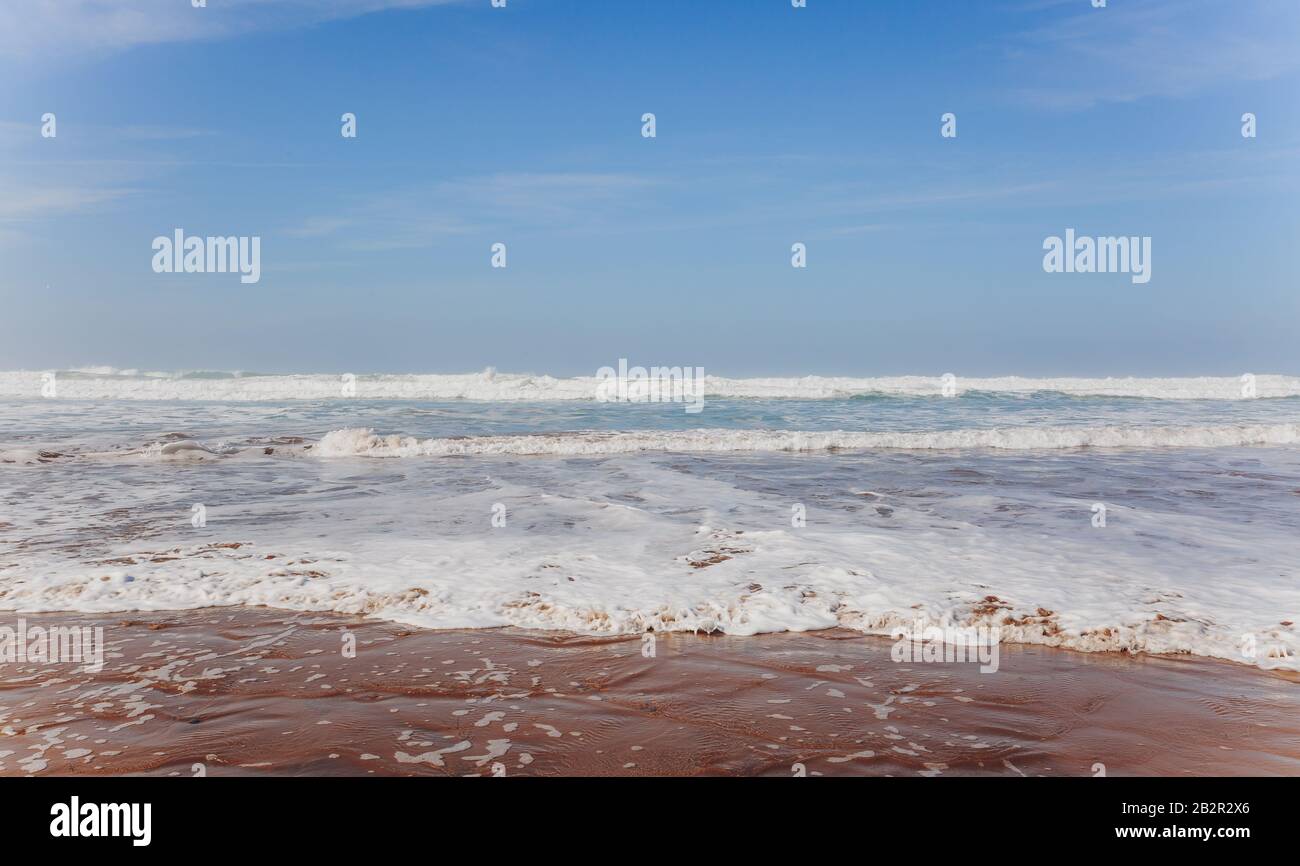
x: 654, y: 385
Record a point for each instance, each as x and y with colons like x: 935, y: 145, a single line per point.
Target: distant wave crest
x: 110, y: 384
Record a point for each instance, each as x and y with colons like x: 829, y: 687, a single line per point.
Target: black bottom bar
x: 331, y: 816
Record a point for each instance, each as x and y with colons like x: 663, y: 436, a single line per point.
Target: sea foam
x: 101, y: 383
x: 365, y: 443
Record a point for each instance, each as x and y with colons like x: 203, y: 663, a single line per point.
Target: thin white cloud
x: 869, y: 228
x: 20, y: 204
x: 318, y: 227
x: 16, y: 133
x: 1125, y: 52
x: 31, y: 29
x: 414, y: 218
x: 159, y: 133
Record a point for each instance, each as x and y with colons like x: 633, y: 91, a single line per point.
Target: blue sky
x: 775, y: 125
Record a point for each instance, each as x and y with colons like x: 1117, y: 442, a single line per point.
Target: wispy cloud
x: 36, y: 189
x: 414, y: 218
x: 318, y: 227
x: 45, y: 28
x: 869, y: 228
x: 23, y: 204
x: 159, y: 133
x: 1157, y: 48
x: 16, y: 133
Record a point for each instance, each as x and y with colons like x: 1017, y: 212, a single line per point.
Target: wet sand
x: 251, y: 691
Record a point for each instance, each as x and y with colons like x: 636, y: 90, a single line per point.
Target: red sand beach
x: 244, y: 691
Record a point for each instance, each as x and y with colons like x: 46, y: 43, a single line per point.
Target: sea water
x: 1142, y: 515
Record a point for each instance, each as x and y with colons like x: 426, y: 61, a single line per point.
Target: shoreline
x: 260, y: 691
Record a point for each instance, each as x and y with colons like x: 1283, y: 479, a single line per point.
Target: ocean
x: 1138, y: 515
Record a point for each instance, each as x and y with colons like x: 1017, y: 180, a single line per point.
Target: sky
x: 775, y: 125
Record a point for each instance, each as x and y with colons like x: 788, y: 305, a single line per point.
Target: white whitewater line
x: 107, y: 384
x: 363, y: 442
x: 432, y: 588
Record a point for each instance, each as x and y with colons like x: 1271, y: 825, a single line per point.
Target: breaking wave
x: 106, y: 383
x: 361, y: 442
